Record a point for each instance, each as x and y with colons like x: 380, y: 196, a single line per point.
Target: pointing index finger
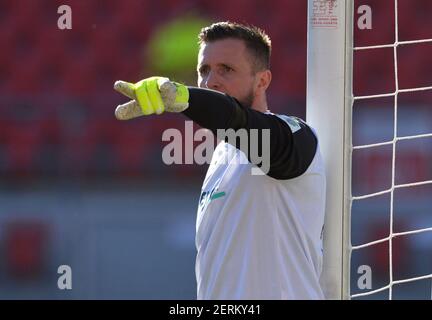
x: 125, y: 88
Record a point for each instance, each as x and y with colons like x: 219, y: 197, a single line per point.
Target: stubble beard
x: 248, y: 100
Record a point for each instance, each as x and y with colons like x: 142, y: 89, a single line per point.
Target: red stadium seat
x: 375, y: 70
x: 133, y: 18
x: 414, y: 68
x: 25, y: 13
x: 22, y: 143
x: 7, y: 36
x: 414, y: 20
x: 79, y: 141
x: 26, y: 246
x: 78, y: 77
x: 133, y: 144
x: 25, y: 76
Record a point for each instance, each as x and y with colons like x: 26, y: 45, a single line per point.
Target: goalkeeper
x: 257, y: 236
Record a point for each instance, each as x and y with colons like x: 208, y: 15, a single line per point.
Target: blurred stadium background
x: 78, y: 187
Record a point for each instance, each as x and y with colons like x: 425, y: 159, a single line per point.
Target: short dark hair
x: 255, y: 39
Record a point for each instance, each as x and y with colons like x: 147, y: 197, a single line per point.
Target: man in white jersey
x: 258, y: 236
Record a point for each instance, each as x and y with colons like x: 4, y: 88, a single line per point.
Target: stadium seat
x: 375, y: 70
x: 78, y: 77
x: 25, y: 13
x: 134, y: 19
x: 25, y: 76
x: 26, y: 248
x: 22, y: 142
x: 414, y: 66
x: 132, y: 145
x: 78, y: 145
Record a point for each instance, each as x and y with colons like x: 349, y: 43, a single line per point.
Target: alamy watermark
x: 64, y: 282
x: 365, y: 20
x: 255, y: 144
x: 365, y: 279
x: 65, y: 19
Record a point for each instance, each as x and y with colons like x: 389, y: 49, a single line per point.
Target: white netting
x: 392, y: 142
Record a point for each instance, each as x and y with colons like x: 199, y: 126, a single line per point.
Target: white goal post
x: 328, y: 111
x: 330, y: 101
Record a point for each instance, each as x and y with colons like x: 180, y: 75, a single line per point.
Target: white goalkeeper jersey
x: 258, y: 237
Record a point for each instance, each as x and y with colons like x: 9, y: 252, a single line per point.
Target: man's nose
x: 212, y: 81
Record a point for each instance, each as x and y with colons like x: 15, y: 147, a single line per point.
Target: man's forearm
x: 291, y: 146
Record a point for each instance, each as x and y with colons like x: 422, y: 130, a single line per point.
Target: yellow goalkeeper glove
x: 151, y: 96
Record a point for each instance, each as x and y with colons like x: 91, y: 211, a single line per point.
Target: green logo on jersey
x: 207, y: 196
x: 217, y: 195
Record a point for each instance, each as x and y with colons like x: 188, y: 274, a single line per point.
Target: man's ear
x: 263, y: 79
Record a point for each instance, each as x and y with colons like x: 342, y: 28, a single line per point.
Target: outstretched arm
x: 292, y: 142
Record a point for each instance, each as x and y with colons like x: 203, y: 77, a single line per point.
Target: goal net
x: 370, y: 103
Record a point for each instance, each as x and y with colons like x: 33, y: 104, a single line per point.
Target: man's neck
x: 260, y: 104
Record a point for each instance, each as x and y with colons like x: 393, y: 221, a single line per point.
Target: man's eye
x: 203, y: 71
x: 228, y: 69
